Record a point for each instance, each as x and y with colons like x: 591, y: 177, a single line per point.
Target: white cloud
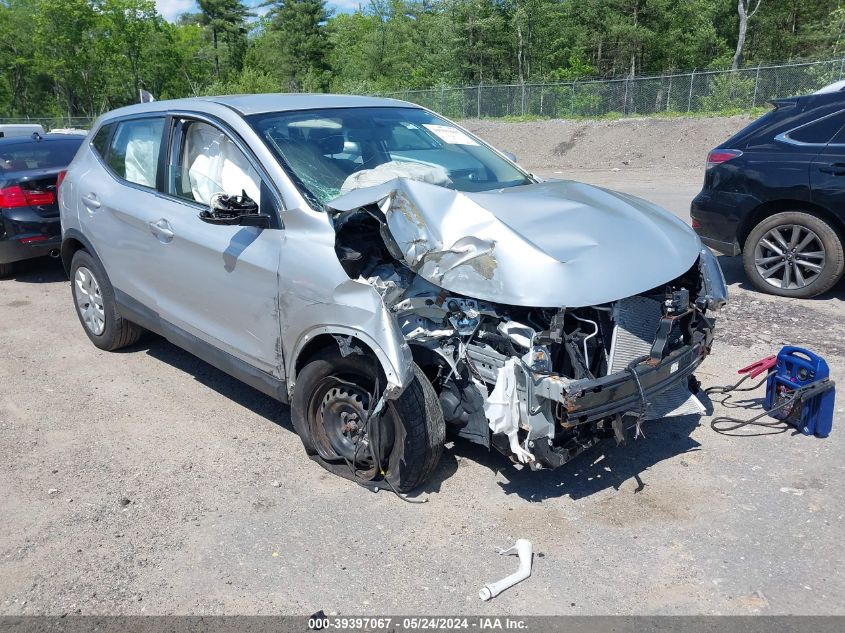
x: 172, y: 9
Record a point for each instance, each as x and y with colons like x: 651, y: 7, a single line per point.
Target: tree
x: 226, y: 18
x: 296, y: 44
x: 744, y: 17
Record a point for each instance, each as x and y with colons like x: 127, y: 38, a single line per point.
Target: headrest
x: 329, y: 141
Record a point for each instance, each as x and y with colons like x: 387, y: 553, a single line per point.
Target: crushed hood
x: 549, y: 244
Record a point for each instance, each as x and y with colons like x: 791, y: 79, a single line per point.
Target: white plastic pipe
x: 525, y: 552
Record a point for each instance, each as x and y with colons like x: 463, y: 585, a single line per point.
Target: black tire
x: 832, y: 260
x: 412, y: 425
x: 6, y: 270
x: 117, y: 332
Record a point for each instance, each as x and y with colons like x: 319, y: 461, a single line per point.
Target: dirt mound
x: 680, y: 143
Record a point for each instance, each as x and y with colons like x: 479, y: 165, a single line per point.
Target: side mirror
x: 246, y: 219
x: 234, y: 211
x: 511, y: 157
x: 255, y: 219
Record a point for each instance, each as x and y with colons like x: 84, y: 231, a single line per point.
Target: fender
x: 396, y: 365
x: 67, y: 253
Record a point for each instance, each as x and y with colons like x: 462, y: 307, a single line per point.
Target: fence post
x: 756, y: 84
x: 668, y: 93
x: 689, y: 101
x: 522, y: 99
x: 478, y: 106
x: 841, y: 65
x: 625, y: 98
x: 442, y: 98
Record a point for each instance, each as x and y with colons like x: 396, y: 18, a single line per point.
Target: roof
x: 261, y: 103
x: 27, y: 138
x: 836, y: 86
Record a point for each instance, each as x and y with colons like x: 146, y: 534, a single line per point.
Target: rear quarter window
x: 100, y: 142
x: 820, y: 131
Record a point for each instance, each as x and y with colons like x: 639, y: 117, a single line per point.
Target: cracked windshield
x: 334, y: 151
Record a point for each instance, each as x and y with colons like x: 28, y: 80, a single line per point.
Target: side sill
x: 148, y: 319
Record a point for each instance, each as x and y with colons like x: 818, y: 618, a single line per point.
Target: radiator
x: 633, y: 336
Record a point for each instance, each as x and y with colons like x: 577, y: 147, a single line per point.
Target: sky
x: 171, y: 9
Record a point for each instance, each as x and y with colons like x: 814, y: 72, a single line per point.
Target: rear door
x: 118, y: 203
x: 827, y: 173
x: 221, y: 281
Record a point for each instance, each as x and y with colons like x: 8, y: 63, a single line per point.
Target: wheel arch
x: 73, y: 241
x: 768, y: 209
x: 330, y: 337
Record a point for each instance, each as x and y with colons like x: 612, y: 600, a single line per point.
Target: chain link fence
x: 52, y: 122
x: 709, y: 91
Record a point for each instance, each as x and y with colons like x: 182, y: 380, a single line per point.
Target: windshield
x: 336, y: 150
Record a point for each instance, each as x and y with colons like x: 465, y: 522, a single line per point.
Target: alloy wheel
x: 89, y: 300
x: 789, y: 256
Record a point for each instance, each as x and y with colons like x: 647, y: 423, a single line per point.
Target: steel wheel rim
x: 789, y: 257
x: 339, y: 413
x: 89, y: 301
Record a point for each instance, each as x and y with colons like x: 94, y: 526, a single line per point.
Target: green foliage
x: 726, y: 92
x: 80, y: 57
x: 294, y: 45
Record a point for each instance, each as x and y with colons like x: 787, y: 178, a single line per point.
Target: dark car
x: 775, y: 192
x: 30, y: 170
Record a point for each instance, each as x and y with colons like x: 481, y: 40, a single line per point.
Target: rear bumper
x: 18, y: 224
x: 718, y: 219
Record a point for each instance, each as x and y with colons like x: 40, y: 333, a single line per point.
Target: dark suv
x: 775, y: 192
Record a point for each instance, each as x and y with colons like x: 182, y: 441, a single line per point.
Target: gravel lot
x: 146, y: 481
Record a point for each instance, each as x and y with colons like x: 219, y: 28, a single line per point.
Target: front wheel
x: 332, y: 409
x: 793, y: 254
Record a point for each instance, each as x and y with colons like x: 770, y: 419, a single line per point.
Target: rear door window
x: 134, y: 150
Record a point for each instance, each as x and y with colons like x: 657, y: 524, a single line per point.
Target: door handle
x: 162, y: 230
x: 836, y: 169
x: 91, y: 201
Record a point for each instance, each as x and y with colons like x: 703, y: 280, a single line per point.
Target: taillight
x: 15, y: 196
x: 719, y: 156
x: 59, y: 179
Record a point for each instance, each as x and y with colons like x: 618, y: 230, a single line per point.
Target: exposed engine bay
x: 540, y: 384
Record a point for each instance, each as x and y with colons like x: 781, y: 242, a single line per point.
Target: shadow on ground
x: 43, y: 270
x: 604, y: 466
x: 224, y: 384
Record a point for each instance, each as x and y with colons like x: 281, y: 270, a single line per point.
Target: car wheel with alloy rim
x: 793, y: 254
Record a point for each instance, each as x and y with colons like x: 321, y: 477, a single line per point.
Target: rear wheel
x: 332, y: 411
x: 793, y: 254
x: 93, y: 297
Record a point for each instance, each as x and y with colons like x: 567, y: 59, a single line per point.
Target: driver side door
x: 221, y: 285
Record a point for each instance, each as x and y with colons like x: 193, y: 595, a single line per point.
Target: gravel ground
x: 148, y: 482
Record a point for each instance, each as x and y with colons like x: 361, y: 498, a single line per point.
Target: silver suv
x: 389, y: 275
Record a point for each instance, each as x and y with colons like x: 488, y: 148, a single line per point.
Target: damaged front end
x: 547, y: 318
